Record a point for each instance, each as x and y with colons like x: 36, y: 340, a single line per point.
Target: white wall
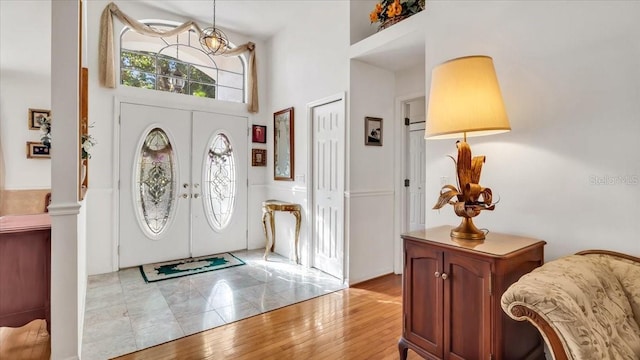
x: 360, y: 25
x: 409, y: 86
x: 410, y: 81
x: 371, y: 172
x: 101, y: 232
x: 307, y: 61
x: 569, y: 171
x: 25, y: 82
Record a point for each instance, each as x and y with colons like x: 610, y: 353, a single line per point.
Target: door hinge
x: 118, y: 250
x: 119, y: 119
x: 406, y: 182
x: 118, y: 184
x: 406, y: 121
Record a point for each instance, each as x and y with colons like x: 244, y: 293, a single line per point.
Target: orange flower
x: 378, y: 9
x: 391, y: 11
x: 373, y: 16
x: 394, y: 9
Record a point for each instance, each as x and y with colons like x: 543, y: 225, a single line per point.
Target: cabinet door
x: 467, y: 307
x: 423, y: 297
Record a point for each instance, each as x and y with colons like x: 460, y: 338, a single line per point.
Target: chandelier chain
x: 213, y: 40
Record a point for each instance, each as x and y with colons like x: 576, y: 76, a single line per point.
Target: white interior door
x: 219, y: 188
x: 328, y: 187
x: 154, y: 162
x: 417, y: 176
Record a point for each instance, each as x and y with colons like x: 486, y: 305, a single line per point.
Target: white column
x: 64, y: 209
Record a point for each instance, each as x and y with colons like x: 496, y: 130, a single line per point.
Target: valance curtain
x: 107, y: 57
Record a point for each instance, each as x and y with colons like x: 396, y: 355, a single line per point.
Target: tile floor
x: 125, y: 314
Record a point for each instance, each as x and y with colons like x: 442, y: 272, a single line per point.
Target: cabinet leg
x: 402, y: 349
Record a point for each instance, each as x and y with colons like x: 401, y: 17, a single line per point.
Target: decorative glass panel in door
x: 219, y: 182
x: 155, y: 183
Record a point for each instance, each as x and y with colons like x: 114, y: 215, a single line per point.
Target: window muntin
x: 177, y: 64
x: 155, y: 182
x: 219, y: 179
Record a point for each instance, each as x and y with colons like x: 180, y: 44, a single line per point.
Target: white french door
x: 183, y: 177
x: 219, y: 151
x: 328, y: 187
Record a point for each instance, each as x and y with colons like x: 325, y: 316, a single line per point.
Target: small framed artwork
x: 372, y: 131
x: 35, y: 115
x: 258, y: 157
x: 37, y: 150
x: 259, y: 134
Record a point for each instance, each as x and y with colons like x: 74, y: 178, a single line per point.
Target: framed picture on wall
x: 258, y: 157
x: 283, y: 156
x: 372, y: 131
x: 259, y: 134
x: 37, y: 150
x: 34, y: 117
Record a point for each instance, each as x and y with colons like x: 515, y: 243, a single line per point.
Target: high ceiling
x: 258, y: 18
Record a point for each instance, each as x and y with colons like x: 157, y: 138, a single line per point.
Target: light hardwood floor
x: 29, y: 342
x: 361, y: 322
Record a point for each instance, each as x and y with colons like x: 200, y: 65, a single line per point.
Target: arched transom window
x: 178, y: 64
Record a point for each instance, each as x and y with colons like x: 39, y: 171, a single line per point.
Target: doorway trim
x: 310, y: 214
x: 401, y: 158
x: 159, y: 99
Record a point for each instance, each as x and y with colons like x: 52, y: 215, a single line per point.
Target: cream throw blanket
x: 107, y: 57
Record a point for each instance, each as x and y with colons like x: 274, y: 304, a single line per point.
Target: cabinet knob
x: 196, y: 196
x: 184, y: 196
x: 437, y: 274
x: 444, y: 276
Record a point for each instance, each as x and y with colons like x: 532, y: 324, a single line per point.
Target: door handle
x: 437, y: 274
x: 445, y: 276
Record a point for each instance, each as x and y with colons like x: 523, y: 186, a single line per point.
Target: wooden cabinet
x: 451, y: 296
x: 25, y: 269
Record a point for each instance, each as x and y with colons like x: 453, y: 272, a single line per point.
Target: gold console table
x: 269, y: 208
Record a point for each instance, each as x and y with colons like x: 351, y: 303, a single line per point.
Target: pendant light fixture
x: 212, y: 39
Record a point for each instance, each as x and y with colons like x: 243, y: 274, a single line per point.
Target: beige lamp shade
x: 465, y: 99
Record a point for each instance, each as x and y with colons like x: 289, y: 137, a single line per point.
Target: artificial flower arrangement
x: 45, y: 127
x: 388, y: 12
x: 87, y: 143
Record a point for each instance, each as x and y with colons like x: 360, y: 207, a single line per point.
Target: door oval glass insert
x: 155, y: 182
x: 219, y: 179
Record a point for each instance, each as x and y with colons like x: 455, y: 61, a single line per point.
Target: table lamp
x: 465, y: 100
